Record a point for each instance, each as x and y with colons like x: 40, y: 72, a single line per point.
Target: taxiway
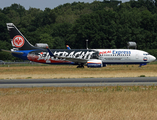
x: 78, y: 82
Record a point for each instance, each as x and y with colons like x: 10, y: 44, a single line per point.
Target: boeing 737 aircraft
x: 81, y: 57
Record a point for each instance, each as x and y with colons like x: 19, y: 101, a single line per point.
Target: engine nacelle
x: 94, y: 63
x: 41, y: 45
x: 132, y: 44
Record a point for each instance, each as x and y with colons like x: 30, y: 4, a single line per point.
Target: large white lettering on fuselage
x: 73, y: 54
x: 44, y: 56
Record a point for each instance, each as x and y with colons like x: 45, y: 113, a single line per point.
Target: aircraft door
x: 137, y: 55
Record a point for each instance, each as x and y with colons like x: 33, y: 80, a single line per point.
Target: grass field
x: 78, y: 103
x: 87, y: 103
x: 45, y: 72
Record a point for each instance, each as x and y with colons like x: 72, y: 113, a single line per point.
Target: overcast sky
x: 41, y: 4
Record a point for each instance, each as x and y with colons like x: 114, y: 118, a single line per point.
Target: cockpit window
x: 145, y: 53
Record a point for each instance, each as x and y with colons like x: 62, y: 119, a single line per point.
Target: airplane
x: 95, y: 58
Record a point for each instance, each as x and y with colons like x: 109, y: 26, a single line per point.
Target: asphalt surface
x: 78, y: 82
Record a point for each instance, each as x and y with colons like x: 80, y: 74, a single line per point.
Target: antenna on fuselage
x: 132, y: 44
x: 86, y: 43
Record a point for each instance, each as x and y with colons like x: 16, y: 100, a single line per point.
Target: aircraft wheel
x: 80, y: 66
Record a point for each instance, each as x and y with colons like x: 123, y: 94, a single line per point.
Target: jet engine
x: 94, y: 63
x: 132, y: 44
x: 41, y: 45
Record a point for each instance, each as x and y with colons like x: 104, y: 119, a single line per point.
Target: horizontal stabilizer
x: 12, y: 51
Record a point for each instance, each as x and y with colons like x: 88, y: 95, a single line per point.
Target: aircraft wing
x: 77, y: 60
x: 12, y: 51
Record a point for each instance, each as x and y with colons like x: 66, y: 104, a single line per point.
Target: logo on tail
x: 18, y: 41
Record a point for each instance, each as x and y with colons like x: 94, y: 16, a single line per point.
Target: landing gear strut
x: 80, y: 66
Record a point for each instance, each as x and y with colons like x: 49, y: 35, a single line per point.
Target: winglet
x: 50, y: 52
x: 68, y: 47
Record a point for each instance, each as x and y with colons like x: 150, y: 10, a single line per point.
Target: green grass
x: 142, y: 76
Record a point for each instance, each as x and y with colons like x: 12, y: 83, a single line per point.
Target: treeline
x: 107, y: 24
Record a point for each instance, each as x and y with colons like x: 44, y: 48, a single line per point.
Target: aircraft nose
x: 152, y: 58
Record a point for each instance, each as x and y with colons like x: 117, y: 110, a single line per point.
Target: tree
x: 98, y: 28
x: 58, y: 43
x: 3, y: 55
x: 3, y: 29
x: 46, y: 38
x: 149, y: 4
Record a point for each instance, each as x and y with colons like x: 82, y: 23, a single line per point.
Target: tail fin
x: 18, y: 41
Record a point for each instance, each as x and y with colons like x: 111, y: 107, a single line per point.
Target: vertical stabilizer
x: 18, y: 40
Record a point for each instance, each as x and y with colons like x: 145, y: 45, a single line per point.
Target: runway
x: 78, y: 82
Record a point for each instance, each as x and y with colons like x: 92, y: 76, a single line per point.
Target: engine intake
x: 94, y: 63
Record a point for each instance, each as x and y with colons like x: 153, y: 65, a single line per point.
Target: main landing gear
x: 80, y: 66
x: 139, y: 66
